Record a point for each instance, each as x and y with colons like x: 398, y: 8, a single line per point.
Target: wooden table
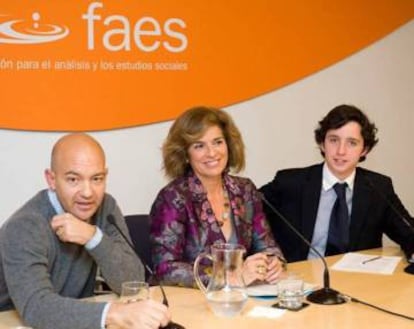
x: 393, y: 292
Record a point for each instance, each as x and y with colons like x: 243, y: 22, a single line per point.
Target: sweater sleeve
x: 117, y: 261
x: 28, y: 259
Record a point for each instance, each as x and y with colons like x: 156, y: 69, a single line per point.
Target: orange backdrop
x: 96, y: 65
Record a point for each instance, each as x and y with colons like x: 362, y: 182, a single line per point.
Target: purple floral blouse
x: 183, y: 225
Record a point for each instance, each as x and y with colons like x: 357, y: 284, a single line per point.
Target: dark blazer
x: 296, y: 192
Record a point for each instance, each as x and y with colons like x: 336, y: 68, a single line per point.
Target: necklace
x: 226, y: 209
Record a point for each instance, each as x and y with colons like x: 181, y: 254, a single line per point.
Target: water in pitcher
x: 226, y: 292
x: 226, y: 303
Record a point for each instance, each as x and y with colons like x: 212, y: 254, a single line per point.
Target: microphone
x: 325, y: 295
x: 171, y: 324
x: 410, y: 268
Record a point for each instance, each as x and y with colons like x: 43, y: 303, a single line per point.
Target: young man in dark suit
x: 308, y: 197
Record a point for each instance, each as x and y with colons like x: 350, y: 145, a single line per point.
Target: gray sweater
x: 43, y: 278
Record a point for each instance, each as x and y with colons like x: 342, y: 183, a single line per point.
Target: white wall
x: 277, y: 128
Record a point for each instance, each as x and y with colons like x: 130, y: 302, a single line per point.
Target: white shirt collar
x: 329, y: 179
x: 55, y: 202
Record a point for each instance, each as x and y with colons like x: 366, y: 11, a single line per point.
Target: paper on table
x: 265, y: 312
x: 357, y: 262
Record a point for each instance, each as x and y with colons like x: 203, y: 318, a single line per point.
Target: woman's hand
x: 255, y: 268
x: 263, y: 268
x: 275, y: 268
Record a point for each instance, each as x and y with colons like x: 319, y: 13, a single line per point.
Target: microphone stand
x: 325, y: 295
x: 171, y: 324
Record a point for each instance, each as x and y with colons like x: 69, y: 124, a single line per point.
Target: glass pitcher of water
x: 226, y: 292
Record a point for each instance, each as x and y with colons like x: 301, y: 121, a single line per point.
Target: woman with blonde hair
x: 204, y: 204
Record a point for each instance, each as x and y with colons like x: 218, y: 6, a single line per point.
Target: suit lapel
x: 361, y: 200
x: 311, y: 193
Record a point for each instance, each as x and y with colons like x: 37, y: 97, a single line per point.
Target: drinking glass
x: 290, y: 291
x: 133, y: 291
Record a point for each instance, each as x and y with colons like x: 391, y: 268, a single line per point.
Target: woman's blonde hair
x: 189, y: 127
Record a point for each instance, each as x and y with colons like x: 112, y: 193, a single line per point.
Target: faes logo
x: 147, y: 33
x: 113, y: 32
x: 20, y: 32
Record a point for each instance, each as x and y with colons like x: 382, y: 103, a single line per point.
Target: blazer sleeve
x: 399, y: 224
x: 168, y: 239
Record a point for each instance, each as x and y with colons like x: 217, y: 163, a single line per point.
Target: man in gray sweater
x: 51, y: 247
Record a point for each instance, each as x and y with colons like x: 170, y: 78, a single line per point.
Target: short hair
x: 189, y: 127
x: 340, y: 116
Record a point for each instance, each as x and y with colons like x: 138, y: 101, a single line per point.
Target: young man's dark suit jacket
x: 296, y: 192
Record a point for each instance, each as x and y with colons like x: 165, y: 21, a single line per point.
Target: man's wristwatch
x: 284, y: 262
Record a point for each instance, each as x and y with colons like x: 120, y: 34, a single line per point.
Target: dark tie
x: 338, y: 236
